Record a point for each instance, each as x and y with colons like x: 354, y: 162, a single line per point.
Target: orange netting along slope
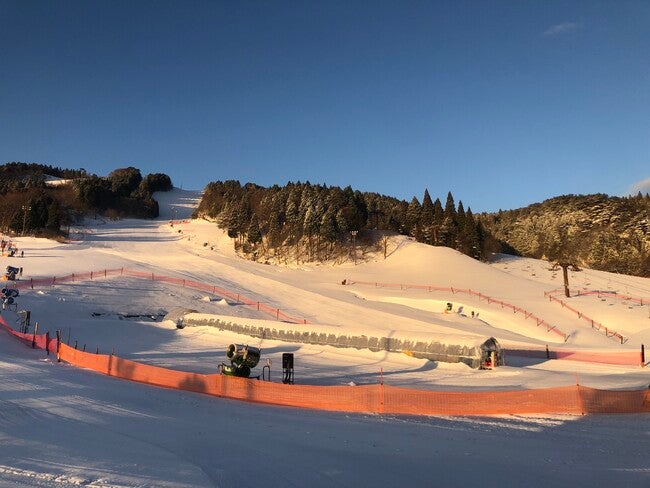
x: 370, y: 398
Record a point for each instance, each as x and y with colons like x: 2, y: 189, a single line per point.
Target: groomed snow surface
x: 65, y: 427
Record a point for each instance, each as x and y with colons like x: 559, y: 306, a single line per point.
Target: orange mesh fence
x: 594, y: 325
x: 622, y: 358
x: 370, y: 398
x: 274, y: 312
x: 481, y: 296
x: 377, y: 398
x: 38, y: 341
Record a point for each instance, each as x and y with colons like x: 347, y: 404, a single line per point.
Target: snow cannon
x: 242, y: 360
x: 11, y: 273
x: 9, y: 292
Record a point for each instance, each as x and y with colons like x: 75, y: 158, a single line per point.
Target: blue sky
x: 502, y: 103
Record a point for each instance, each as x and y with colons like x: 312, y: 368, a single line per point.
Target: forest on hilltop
x: 30, y: 205
x: 595, y: 231
x: 302, y: 222
x: 306, y: 222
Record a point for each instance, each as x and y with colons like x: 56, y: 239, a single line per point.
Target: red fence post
x: 642, y: 356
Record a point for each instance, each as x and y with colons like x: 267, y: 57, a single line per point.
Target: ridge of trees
x: 29, y: 205
x: 308, y: 222
x: 595, y: 231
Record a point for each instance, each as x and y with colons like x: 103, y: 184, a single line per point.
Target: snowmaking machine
x: 8, y: 296
x: 242, y: 360
x: 11, y: 273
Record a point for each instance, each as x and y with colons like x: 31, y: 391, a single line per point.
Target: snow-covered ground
x: 62, y: 426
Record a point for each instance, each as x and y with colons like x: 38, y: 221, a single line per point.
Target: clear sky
x: 503, y: 103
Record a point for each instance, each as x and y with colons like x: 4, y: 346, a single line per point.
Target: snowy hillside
x: 61, y: 426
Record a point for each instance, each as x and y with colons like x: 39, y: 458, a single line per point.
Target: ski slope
x: 61, y: 426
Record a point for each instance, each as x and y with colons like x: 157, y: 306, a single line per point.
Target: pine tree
x: 413, y: 217
x: 449, y: 228
x: 438, y: 219
x: 427, y: 219
x: 254, y: 235
x: 328, y: 229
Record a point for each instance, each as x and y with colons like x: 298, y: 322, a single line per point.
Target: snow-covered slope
x: 61, y: 426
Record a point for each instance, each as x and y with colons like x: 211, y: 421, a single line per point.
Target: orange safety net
x: 37, y: 341
x: 481, y: 296
x: 370, y: 398
x: 621, y: 358
x: 275, y: 312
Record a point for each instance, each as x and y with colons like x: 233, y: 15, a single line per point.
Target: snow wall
x: 451, y: 349
x: 378, y: 398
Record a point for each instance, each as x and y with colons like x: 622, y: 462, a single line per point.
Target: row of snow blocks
x: 434, y: 351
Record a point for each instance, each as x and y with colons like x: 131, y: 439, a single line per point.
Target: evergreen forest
x: 304, y: 222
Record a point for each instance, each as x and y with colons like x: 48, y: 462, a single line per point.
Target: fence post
x: 58, y: 346
x: 548, y: 355
x: 34, y: 338
x: 642, y: 356
x: 47, y: 343
x: 31, y: 283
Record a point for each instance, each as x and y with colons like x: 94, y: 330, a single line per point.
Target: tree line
x: 313, y: 222
x: 29, y: 205
x: 594, y: 231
